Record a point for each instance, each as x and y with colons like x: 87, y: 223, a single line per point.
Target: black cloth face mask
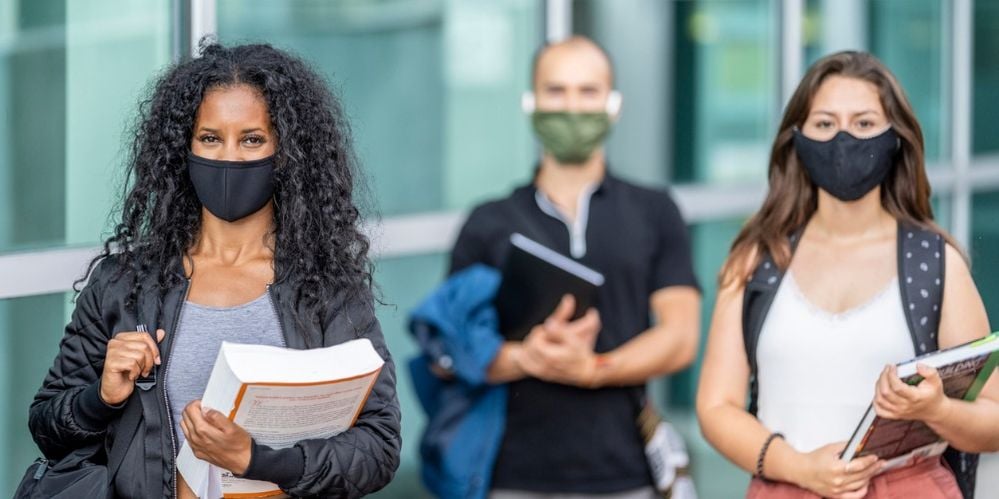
x: 232, y: 190
x: 845, y: 166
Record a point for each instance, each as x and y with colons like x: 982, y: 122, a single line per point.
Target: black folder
x: 534, y: 279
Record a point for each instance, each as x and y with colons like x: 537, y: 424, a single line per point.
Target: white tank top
x: 817, y: 370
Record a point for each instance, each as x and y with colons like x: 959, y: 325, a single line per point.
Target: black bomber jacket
x: 68, y: 413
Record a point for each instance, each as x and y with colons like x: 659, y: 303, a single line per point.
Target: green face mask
x: 570, y: 137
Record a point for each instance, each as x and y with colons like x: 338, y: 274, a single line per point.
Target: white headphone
x: 528, y: 103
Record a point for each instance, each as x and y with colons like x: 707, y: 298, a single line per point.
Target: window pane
x: 637, y: 36
x: 983, y: 251
x: 907, y: 35
x: 432, y: 88
x: 984, y: 248
x: 714, y: 475
x: 699, y: 86
x: 71, y: 74
x: 32, y: 328
x: 725, y: 95
x: 986, y: 77
x: 404, y: 282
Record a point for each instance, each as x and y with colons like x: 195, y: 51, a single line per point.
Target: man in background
x: 576, y: 386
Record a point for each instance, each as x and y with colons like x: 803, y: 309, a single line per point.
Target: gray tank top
x: 199, y: 337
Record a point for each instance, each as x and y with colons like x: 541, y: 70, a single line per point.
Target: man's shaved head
x: 580, y: 50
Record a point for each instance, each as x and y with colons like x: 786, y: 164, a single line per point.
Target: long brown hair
x: 792, y: 197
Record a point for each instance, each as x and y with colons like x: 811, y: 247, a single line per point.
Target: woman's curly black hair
x: 318, y: 240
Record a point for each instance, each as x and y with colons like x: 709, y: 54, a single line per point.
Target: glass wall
x: 432, y: 88
x: 30, y: 329
x: 725, y: 99
x: 71, y: 75
x: 986, y: 69
x: 909, y: 36
x: 984, y: 245
x: 700, y: 97
x: 403, y: 282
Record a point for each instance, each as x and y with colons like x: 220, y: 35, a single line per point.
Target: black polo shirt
x: 561, y: 438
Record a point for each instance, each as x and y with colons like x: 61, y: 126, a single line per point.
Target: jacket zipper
x: 166, y: 398
x: 166, y: 372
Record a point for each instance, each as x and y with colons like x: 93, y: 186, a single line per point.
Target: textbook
x: 964, y: 369
x: 281, y: 396
x: 534, y: 279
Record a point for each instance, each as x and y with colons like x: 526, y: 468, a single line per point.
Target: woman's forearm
x: 739, y: 436
x: 968, y: 426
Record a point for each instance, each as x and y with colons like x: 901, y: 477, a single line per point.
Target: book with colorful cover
x: 964, y: 369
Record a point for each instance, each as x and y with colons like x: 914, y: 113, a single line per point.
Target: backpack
x: 85, y: 472
x: 89, y: 471
x: 921, y: 256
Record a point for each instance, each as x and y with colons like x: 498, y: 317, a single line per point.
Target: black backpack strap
x: 921, y: 257
x: 126, y: 432
x: 965, y: 468
x: 756, y: 300
x: 921, y: 276
x: 143, y: 399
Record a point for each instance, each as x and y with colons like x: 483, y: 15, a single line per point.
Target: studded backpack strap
x: 921, y: 263
x: 756, y: 300
x: 921, y: 270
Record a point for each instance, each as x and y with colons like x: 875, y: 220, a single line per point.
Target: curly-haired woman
x: 238, y: 224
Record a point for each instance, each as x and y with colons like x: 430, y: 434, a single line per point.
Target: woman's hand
x: 130, y: 355
x: 823, y: 472
x: 894, y: 399
x: 215, y: 439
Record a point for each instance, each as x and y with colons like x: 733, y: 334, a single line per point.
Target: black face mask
x: 232, y: 190
x: 845, y: 166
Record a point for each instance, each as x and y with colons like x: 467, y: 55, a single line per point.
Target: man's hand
x: 561, y: 350
x: 215, y: 439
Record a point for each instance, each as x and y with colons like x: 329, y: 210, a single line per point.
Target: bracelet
x: 600, y: 361
x: 763, y: 454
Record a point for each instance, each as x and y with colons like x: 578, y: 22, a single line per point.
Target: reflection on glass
x: 984, y: 248
x: 31, y: 329
x: 907, y: 35
x: 61, y: 139
x: 636, y: 35
x: 726, y: 90
x: 403, y: 283
x: 714, y: 475
x: 986, y: 77
x: 432, y: 89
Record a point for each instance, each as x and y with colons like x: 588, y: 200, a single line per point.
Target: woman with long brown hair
x: 847, y: 185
